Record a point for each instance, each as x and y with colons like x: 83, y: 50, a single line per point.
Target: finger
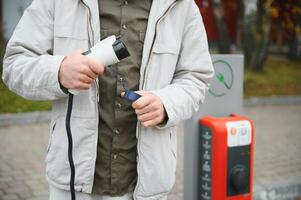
x: 85, y: 79
x: 81, y: 85
x: 95, y: 66
x: 87, y: 71
x: 85, y: 86
x: 150, y: 123
x: 142, y: 92
x: 145, y: 109
x: 142, y: 102
x: 148, y: 116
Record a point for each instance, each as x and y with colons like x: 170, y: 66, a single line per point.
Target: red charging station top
x: 209, y: 120
x: 221, y: 130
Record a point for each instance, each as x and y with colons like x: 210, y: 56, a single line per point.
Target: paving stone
x: 3, y: 185
x: 40, y: 192
x: 6, y: 179
x: 1, y: 193
x: 10, y: 197
x: 25, y: 194
x: 39, y: 198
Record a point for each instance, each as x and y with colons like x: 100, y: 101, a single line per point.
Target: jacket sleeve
x: 194, y: 70
x: 29, y: 68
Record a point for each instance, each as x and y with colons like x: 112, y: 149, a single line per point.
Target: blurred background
x: 266, y: 32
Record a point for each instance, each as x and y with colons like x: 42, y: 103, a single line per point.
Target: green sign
x: 223, y: 80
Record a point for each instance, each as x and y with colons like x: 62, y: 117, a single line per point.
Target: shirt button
x: 116, y: 131
x: 118, y: 105
x: 121, y: 79
x: 124, y: 26
x: 115, y: 156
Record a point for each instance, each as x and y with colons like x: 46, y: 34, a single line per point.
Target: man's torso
x: 79, y: 28
x: 115, y: 171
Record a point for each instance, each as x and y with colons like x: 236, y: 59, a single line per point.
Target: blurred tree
x: 256, y: 37
x: 223, y: 33
x: 259, y: 24
x: 227, y: 22
x: 287, y: 16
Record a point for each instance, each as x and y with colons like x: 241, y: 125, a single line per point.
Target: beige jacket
x: 176, y: 66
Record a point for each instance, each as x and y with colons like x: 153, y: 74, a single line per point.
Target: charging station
x: 225, y: 158
x: 224, y: 97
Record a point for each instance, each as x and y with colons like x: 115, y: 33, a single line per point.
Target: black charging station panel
x: 238, y: 173
x: 225, y: 158
x: 205, y: 160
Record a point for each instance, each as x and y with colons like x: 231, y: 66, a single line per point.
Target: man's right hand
x: 78, y: 71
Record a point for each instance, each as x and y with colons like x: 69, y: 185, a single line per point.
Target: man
x: 116, y: 156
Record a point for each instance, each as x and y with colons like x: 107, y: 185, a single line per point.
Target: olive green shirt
x: 115, y: 172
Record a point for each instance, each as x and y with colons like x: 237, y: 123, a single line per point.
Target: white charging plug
x: 108, y: 52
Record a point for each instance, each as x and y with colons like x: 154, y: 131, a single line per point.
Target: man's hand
x: 78, y: 71
x: 149, y: 109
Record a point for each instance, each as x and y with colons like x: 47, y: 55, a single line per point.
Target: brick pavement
x: 277, y: 156
x: 22, y: 162
x: 277, y: 170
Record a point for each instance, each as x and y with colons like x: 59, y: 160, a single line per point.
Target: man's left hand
x: 149, y: 109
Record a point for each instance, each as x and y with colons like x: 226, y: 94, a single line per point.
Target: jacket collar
x: 160, y: 5
x: 163, y: 4
x: 157, y: 10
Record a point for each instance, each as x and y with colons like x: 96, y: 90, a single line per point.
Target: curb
x: 278, y: 190
x: 45, y: 116
x: 25, y: 118
x: 279, y: 100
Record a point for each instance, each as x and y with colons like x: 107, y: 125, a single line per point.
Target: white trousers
x: 58, y: 194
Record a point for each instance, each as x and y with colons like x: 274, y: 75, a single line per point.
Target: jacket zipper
x: 92, y: 43
x: 90, y: 23
x: 143, y: 82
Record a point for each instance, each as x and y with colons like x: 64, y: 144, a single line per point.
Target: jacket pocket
x: 161, y: 48
x: 52, y: 127
x: 67, y: 39
x: 84, y: 143
x: 157, y: 163
x: 173, y: 141
x: 162, y: 65
x: 69, y: 32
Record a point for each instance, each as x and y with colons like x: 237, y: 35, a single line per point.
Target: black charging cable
x: 121, y: 53
x: 129, y: 95
x: 70, y: 140
x: 70, y: 145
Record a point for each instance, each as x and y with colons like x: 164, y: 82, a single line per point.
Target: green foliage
x: 12, y: 103
x: 279, y: 77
